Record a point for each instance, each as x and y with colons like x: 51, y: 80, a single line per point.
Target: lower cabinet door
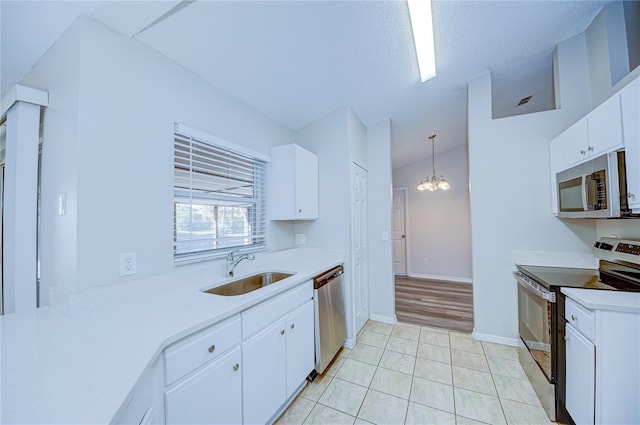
x: 263, y: 377
x: 212, y: 395
x: 300, y: 346
x: 581, y: 377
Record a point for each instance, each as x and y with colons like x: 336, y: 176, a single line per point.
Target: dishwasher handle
x: 323, y: 279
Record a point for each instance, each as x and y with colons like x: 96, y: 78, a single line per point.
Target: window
x: 218, y: 202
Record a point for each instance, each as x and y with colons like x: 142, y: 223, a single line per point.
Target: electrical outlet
x: 128, y: 264
x: 425, y: 260
x: 300, y: 239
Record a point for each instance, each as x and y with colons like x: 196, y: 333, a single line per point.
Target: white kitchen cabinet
x: 631, y: 132
x: 602, y: 352
x: 203, y: 376
x: 278, y: 358
x: 293, y: 193
x: 580, y: 376
x: 211, y: 395
x: 570, y: 146
x: 605, y: 127
x: 264, y: 376
x: 300, y: 346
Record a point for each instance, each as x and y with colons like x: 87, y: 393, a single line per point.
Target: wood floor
x: 436, y: 303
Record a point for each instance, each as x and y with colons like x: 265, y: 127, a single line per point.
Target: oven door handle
x: 534, y: 288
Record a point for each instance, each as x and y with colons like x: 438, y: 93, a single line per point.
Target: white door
x: 359, y: 248
x: 399, y: 232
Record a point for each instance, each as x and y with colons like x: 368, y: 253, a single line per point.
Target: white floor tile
x: 343, y: 396
x: 366, y: 353
x: 469, y: 360
x: 516, y: 390
x: 323, y: 415
x: 434, y: 352
x: 432, y: 394
x: 481, y: 407
x: 473, y: 380
x: 356, y: 372
x: 379, y: 408
x: 435, y: 371
x: 391, y: 382
x: 521, y: 413
x: 417, y: 414
x: 397, y: 361
x: 401, y: 345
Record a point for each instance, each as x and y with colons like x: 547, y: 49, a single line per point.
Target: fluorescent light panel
x: 422, y: 26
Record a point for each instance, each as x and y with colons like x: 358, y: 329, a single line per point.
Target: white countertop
x: 59, y: 367
x: 596, y: 299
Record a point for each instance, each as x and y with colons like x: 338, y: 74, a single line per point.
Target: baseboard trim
x: 514, y: 342
x: 439, y: 277
x: 384, y: 319
x: 349, y: 343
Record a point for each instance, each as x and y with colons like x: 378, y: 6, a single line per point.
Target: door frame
x: 406, y: 227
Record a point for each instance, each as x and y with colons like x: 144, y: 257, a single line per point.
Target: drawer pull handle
x: 236, y: 367
x: 293, y: 325
x: 282, y: 332
x: 574, y: 318
x: 212, y: 348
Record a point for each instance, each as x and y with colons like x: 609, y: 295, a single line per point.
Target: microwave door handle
x: 585, y: 193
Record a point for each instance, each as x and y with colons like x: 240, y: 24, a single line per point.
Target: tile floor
x: 408, y: 374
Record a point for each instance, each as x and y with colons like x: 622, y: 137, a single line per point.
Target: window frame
x: 259, y: 201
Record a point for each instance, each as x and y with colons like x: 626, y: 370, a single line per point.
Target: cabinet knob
x: 212, y: 348
x: 293, y: 325
x: 566, y: 338
x: 300, y: 211
x: 236, y: 367
x: 590, y: 148
x: 631, y: 195
x: 574, y: 318
x: 582, y: 152
x: 282, y: 332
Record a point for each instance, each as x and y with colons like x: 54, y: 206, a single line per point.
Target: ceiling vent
x: 524, y: 101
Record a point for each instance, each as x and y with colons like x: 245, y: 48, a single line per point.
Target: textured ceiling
x: 298, y: 60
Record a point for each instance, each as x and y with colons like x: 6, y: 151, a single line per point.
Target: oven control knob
x: 574, y: 318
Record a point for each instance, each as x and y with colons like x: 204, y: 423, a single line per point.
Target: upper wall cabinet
x: 597, y: 133
x: 605, y: 127
x: 631, y: 131
x: 293, y: 193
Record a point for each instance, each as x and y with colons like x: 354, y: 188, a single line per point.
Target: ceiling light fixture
x: 422, y: 27
x: 433, y: 183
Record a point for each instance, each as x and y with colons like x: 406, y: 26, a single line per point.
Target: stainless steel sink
x: 248, y: 284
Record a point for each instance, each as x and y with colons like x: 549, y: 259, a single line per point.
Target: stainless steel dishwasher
x: 330, y: 325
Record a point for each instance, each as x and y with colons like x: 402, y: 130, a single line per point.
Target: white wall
x: 379, y: 198
x: 328, y: 138
x: 108, y: 143
x: 515, y: 212
x: 438, y: 222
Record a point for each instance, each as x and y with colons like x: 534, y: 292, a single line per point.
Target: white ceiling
x: 298, y: 60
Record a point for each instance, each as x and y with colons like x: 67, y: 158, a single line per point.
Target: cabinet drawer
x: 267, y: 312
x: 580, y: 318
x: 197, y: 349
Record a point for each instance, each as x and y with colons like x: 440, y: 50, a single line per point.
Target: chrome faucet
x: 232, y: 261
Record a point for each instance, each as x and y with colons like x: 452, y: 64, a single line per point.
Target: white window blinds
x: 219, y: 202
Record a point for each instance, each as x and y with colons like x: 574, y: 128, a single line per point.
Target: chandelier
x: 433, y: 183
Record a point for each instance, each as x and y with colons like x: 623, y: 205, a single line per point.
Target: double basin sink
x: 248, y: 284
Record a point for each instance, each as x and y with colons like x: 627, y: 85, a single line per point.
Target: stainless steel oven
x: 538, y: 328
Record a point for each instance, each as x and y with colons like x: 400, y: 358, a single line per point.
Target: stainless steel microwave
x: 594, y: 189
